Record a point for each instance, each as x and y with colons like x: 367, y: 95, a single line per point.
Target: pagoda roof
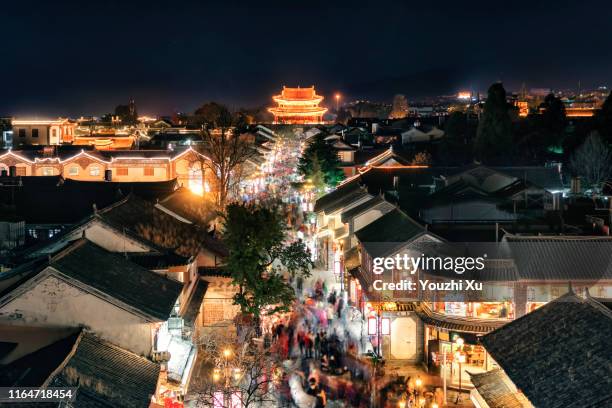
x: 299, y: 93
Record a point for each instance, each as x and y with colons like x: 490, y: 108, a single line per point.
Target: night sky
x: 73, y: 58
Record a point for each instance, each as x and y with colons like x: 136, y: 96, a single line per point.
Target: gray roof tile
x: 560, y: 355
x: 112, y: 274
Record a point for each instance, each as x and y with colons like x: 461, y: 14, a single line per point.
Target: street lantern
x: 372, y: 323
x: 385, y: 326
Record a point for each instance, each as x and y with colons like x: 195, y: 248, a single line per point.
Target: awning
x: 460, y: 324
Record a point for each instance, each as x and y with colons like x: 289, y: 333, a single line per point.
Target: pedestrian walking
x: 317, y: 345
x: 308, y: 344
x: 301, y: 341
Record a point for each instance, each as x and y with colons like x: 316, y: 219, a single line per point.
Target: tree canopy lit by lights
x: 319, y: 156
x: 260, y: 260
x: 227, y: 145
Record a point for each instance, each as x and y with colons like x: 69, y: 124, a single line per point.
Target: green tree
x: 259, y: 259
x: 326, y: 157
x: 494, y: 134
x: 317, y: 177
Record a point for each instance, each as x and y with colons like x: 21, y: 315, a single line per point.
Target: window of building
x: 94, y: 171
x: 22, y: 132
x: 54, y: 132
x: 73, y: 171
x: 149, y: 171
x: 33, y: 233
x: 47, y: 171
x: 20, y: 171
x: 34, y: 132
x: 122, y: 171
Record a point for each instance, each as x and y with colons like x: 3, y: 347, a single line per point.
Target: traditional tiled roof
x: 112, y: 274
x: 361, y: 208
x: 379, y: 179
x: 69, y: 201
x: 342, y: 146
x: 106, y: 375
x: 149, y: 190
x: 363, y: 155
x: 459, y: 188
x: 546, y: 177
x: 33, y: 368
x: 382, y: 179
x: 163, y: 229
x: 456, y: 323
x: 560, y: 257
x: 145, y: 153
x: 494, y: 390
x: 559, y: 355
x: 346, y: 201
x: 387, y: 155
x: 391, y: 230
x: 60, y: 152
x: 157, y: 260
x: 339, y: 193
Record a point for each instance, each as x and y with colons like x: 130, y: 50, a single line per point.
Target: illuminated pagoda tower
x: 298, y: 106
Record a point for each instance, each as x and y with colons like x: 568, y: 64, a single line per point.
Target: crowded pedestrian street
x: 329, y: 358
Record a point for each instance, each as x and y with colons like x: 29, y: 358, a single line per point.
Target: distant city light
x: 464, y: 95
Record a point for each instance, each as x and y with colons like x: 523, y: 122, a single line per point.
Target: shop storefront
x: 454, y: 354
x: 395, y: 330
x: 452, y: 348
x: 483, y: 310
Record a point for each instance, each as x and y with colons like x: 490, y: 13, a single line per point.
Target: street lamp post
x: 227, y: 373
x: 379, y: 330
x: 337, y: 96
x: 460, y: 356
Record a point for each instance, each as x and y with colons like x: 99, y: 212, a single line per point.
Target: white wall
x: 367, y: 218
x: 55, y: 303
x: 110, y: 240
x: 404, y: 338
